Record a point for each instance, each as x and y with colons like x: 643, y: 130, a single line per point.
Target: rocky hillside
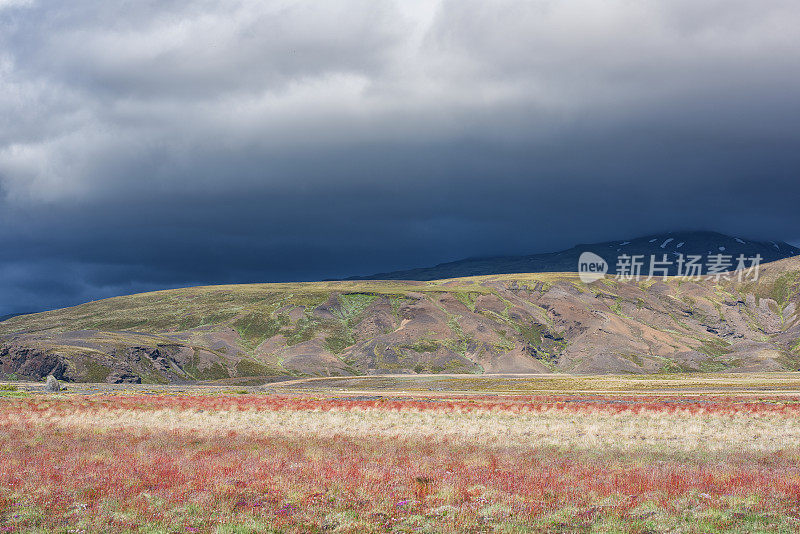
x: 505, y: 323
x: 703, y: 244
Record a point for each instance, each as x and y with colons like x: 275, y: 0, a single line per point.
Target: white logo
x: 591, y: 267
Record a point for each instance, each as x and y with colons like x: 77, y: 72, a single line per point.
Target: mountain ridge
x: 704, y: 243
x: 11, y: 315
x: 529, y: 322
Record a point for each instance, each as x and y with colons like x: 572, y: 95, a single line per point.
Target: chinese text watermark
x: 690, y: 267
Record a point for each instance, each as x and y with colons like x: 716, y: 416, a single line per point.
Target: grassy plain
x: 711, y: 453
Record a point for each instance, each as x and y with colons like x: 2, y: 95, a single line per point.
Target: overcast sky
x: 164, y: 143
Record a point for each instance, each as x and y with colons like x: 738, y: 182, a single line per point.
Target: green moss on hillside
x: 784, y: 287
x: 424, y: 345
x: 214, y: 372
x: 531, y: 333
x: 468, y: 298
x: 715, y: 347
x: 351, y: 306
x: 252, y: 368
x: 303, y: 330
x: 254, y: 328
x: 96, y: 372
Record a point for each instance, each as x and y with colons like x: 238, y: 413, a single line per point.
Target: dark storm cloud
x: 160, y: 144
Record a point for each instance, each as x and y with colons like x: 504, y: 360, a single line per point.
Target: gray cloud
x: 158, y: 144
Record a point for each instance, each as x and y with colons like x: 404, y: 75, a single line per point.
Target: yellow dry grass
x: 679, y: 431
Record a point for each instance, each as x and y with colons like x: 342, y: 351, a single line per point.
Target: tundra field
x: 710, y: 453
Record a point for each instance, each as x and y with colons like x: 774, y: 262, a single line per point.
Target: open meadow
x: 390, y: 454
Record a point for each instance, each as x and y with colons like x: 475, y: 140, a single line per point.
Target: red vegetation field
x: 261, y: 463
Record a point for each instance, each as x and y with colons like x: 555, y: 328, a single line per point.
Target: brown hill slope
x: 504, y: 323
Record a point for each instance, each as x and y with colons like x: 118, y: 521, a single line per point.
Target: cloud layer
x: 156, y: 144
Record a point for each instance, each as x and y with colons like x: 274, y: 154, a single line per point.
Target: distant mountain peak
x: 673, y: 244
